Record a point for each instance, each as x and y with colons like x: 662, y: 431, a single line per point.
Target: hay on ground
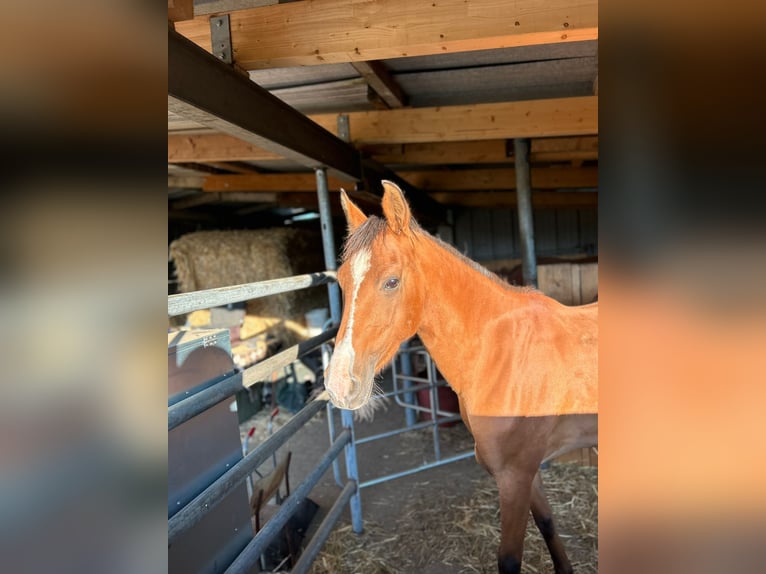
x: 461, y: 532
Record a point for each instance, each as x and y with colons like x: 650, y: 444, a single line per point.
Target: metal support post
x: 524, y: 208
x: 352, y: 472
x: 409, y: 397
x: 328, y: 242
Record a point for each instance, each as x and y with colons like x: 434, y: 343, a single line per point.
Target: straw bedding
x: 460, y: 532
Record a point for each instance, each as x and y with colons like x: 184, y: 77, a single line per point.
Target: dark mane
x: 363, y: 236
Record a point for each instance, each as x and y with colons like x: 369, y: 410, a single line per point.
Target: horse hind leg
x: 515, y: 491
x: 543, y: 515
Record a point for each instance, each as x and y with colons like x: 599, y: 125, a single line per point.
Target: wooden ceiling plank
x: 305, y: 33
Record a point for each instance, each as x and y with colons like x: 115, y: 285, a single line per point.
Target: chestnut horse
x: 523, y: 365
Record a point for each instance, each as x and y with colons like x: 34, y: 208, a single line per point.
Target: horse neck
x: 460, y: 302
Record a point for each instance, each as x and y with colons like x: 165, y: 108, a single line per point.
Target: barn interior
x: 430, y: 95
x: 269, y: 101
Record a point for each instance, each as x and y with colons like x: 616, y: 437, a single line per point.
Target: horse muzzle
x: 351, y: 396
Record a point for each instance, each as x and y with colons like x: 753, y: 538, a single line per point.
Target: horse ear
x: 354, y: 215
x: 395, y: 207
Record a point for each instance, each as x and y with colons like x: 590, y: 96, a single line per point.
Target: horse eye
x: 391, y: 283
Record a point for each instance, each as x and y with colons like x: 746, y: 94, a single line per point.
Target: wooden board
x: 531, y: 118
x: 308, y: 33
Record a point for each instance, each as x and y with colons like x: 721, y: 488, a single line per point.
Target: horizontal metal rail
x: 184, y: 410
x: 409, y: 471
x: 193, y: 512
x: 324, y: 530
x: 251, y: 553
x: 416, y: 426
x: 188, y: 302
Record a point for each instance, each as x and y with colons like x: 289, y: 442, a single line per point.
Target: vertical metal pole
x: 347, y: 419
x: 409, y: 397
x: 328, y: 242
x: 330, y: 419
x: 524, y: 209
x: 432, y: 380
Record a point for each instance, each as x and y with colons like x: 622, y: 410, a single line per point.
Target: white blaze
x: 343, y: 358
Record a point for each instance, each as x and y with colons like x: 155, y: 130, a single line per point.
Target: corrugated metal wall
x: 490, y: 234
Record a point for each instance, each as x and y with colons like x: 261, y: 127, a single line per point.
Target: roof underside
x: 504, y: 87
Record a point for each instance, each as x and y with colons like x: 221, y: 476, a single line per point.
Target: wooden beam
x: 561, y: 149
x: 220, y: 6
x: 535, y: 118
x: 382, y: 82
x: 531, y: 118
x: 432, y: 180
x: 308, y: 33
x: 190, y: 181
x: 214, y: 147
x: 208, y: 148
x: 233, y: 167
x: 540, y: 199
x: 504, y: 178
x: 272, y: 182
x: 205, y: 90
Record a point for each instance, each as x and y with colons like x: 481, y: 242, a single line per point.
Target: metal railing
x: 180, y: 411
x: 401, y: 372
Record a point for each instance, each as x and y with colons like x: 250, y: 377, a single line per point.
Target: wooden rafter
x: 209, y: 148
x: 432, y: 180
x: 530, y: 118
x: 308, y: 33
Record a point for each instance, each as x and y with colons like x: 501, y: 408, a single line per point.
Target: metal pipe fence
x: 198, y: 402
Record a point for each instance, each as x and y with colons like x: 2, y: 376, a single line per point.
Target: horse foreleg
x: 515, y: 494
x: 543, y: 515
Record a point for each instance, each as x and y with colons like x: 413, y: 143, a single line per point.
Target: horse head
x: 383, y: 293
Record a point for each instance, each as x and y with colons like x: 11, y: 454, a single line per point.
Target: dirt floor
x: 442, y: 520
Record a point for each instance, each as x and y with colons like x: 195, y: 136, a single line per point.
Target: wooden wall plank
x: 309, y: 32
